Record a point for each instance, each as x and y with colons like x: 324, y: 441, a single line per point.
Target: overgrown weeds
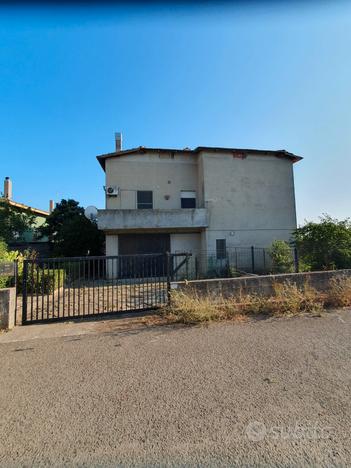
x: 287, y: 299
x: 339, y: 294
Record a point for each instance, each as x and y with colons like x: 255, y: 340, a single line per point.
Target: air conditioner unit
x: 111, y: 191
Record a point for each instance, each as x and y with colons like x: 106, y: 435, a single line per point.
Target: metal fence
x: 61, y: 288
x: 235, y: 261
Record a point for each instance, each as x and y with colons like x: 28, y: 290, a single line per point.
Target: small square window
x: 221, y: 249
x: 144, y: 199
x: 188, y: 199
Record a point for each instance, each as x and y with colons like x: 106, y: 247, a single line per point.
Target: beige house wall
x: 165, y: 175
x: 111, y: 244
x: 185, y: 242
x: 250, y: 201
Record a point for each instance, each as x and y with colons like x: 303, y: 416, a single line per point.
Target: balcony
x: 186, y: 219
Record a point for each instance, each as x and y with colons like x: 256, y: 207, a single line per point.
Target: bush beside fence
x: 42, y: 281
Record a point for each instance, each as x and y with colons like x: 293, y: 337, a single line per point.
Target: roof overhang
x: 21, y: 206
x: 239, y: 151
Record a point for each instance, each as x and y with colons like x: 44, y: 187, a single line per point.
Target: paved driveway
x: 269, y: 392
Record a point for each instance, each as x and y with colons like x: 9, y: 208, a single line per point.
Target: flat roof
x: 215, y: 149
x: 22, y: 206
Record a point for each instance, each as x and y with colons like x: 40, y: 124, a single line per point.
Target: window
x: 144, y: 199
x: 188, y: 199
x: 221, y: 248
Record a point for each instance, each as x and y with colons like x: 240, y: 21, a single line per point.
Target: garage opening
x: 141, y: 244
x: 138, y: 244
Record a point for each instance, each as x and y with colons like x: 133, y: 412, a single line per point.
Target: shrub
x: 5, y: 281
x: 42, y: 281
x: 325, y: 245
x: 282, y: 257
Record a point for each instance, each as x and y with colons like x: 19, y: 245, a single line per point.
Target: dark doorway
x: 134, y: 244
x: 140, y: 244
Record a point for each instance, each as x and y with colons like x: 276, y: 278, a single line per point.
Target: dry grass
x: 339, y: 294
x: 287, y: 299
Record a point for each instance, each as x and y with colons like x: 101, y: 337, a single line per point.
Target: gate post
x: 24, y: 292
x: 168, y: 265
x: 253, y: 259
x: 16, y: 287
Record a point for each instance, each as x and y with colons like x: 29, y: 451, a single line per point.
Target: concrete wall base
x: 7, y: 308
x: 262, y: 285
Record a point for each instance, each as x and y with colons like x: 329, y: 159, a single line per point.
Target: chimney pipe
x: 8, y: 188
x: 51, y: 206
x: 118, y: 140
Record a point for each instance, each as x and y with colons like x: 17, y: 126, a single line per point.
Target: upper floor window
x: 188, y: 199
x: 144, y: 199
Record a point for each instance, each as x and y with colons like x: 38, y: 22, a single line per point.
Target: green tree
x: 282, y: 257
x: 70, y: 233
x: 325, y: 245
x: 13, y: 222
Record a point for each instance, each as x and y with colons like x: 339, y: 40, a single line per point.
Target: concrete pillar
x: 7, y: 308
x: 111, y: 250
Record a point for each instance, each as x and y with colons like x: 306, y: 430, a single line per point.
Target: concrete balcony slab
x: 136, y: 220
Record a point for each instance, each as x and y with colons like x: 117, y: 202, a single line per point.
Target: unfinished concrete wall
x: 7, y: 308
x: 259, y: 284
x: 250, y: 200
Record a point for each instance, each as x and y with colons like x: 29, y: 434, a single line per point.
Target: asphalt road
x: 260, y: 393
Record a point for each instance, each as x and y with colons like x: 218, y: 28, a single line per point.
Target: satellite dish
x: 91, y: 213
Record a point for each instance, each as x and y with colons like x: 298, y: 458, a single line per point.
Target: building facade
x: 202, y: 200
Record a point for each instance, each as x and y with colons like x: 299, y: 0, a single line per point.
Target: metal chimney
x: 118, y: 140
x: 8, y: 188
x: 51, y: 206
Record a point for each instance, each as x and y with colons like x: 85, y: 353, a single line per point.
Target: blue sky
x: 262, y: 76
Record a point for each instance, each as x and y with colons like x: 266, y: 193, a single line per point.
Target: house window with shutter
x: 144, y: 199
x: 187, y: 199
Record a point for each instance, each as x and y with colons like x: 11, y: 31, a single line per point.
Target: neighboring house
x: 207, y: 199
x: 29, y: 238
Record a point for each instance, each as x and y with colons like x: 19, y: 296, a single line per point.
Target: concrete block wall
x: 263, y: 285
x: 7, y: 308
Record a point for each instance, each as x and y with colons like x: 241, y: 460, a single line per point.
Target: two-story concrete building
x: 205, y: 199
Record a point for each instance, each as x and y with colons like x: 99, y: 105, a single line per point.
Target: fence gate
x: 63, y: 288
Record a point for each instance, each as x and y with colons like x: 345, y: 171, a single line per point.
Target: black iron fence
x: 236, y: 261
x: 61, y: 288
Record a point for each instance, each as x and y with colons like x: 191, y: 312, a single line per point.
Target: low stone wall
x: 7, y: 308
x: 259, y: 284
